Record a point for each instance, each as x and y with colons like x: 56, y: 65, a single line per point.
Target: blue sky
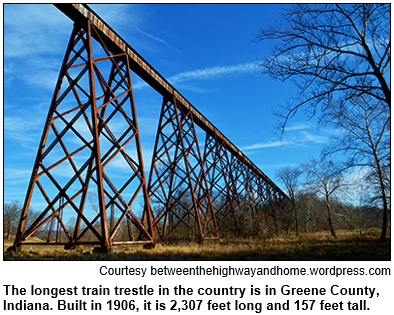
x: 205, y: 50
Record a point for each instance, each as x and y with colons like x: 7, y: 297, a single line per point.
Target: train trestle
x: 89, y: 172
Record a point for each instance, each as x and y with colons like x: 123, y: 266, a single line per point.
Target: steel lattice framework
x: 202, y: 188
x: 178, y: 172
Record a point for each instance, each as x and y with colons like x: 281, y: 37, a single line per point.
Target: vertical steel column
x: 96, y: 143
x: 84, y: 156
x: 177, y: 183
x: 85, y: 169
x: 239, y: 194
x: 141, y: 170
x: 219, y: 174
x: 34, y: 174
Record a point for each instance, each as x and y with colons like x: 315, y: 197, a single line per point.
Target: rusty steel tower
x: 89, y: 167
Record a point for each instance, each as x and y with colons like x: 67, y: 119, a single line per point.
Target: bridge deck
x: 81, y: 12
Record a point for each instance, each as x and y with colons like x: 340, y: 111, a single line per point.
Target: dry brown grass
x: 315, y: 246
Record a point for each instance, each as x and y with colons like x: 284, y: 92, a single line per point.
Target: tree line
x: 338, y: 57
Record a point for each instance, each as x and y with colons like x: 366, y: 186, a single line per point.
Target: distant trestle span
x: 198, y: 187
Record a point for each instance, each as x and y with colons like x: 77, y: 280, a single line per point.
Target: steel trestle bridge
x: 89, y: 167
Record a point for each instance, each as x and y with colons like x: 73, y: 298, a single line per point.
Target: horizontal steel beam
x: 81, y: 12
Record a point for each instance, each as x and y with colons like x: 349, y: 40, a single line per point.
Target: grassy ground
x: 316, y: 246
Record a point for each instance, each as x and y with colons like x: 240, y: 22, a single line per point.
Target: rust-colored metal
x: 240, y: 196
x: 84, y: 159
x: 142, y: 68
x: 177, y: 183
x: 89, y: 164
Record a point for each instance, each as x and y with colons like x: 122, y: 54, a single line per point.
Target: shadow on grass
x: 298, y: 249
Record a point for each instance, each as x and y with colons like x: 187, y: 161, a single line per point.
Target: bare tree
x: 11, y: 217
x: 329, y: 49
x: 289, y: 176
x: 324, y: 179
x: 365, y: 215
x: 309, y: 210
x: 364, y: 135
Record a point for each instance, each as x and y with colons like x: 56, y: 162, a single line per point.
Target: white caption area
x: 61, y: 287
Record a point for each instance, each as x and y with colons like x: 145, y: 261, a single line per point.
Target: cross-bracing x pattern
x: 239, y: 196
x: 218, y: 168
x: 177, y: 183
x: 87, y: 164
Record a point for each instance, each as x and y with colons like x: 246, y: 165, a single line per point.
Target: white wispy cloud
x: 154, y: 37
x: 212, y: 73
x: 22, y: 130
x: 35, y: 38
x: 39, y: 29
x: 16, y: 175
x: 308, y: 137
x: 299, y: 137
x: 298, y: 127
x: 205, y: 74
x: 118, y: 15
x: 265, y: 145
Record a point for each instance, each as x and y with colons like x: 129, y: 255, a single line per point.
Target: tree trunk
x: 330, y: 219
x: 385, y: 205
x: 385, y: 218
x: 295, y: 217
x: 383, y: 189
